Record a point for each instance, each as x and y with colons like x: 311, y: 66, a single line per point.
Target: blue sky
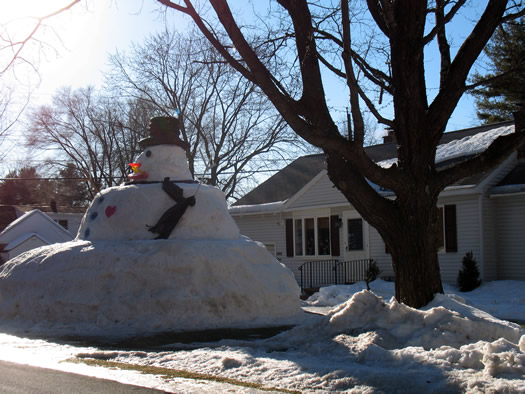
x: 96, y: 28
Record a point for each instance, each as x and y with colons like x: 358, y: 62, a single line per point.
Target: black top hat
x: 164, y: 130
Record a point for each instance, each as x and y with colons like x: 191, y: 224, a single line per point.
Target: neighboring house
x: 31, y: 230
x: 300, y: 216
x: 68, y: 217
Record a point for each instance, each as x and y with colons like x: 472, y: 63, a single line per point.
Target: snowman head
x: 164, y: 153
x: 160, y: 161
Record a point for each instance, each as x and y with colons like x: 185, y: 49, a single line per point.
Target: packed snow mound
x: 127, y: 212
x: 399, y: 326
x: 503, y: 299
x: 122, y: 288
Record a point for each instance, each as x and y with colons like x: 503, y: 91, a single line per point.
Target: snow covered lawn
x: 362, y: 342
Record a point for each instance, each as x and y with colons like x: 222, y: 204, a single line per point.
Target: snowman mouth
x: 138, y: 175
x: 137, y: 172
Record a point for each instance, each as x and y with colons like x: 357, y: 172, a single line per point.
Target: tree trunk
x: 409, y: 226
x: 414, y: 250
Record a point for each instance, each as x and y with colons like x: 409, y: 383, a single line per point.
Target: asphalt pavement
x: 19, y: 378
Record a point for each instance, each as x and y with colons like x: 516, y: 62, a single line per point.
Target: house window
x: 62, y: 222
x: 323, y: 236
x: 312, y: 236
x: 270, y: 248
x: 355, y: 234
x: 316, y: 236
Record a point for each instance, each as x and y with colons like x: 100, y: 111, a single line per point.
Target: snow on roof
x: 257, y: 208
x: 467, y: 146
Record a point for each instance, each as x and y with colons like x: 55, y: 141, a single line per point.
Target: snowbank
x: 122, y: 288
x: 364, y: 344
x: 399, y: 326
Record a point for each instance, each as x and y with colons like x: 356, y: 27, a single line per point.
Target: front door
x: 355, y: 233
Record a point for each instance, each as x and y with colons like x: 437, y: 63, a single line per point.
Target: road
x: 18, y: 378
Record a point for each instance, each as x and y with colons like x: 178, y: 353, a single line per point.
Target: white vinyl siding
x: 267, y: 229
x: 378, y: 253
x: 510, y: 230
x: 468, y: 236
x: 489, y: 269
x: 322, y: 193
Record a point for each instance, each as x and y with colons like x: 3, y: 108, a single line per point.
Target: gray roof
x: 288, y: 181
x: 515, y: 177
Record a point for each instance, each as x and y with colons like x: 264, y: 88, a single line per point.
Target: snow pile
x: 504, y: 299
x: 364, y: 344
x: 122, y: 288
x: 150, y: 257
x: 463, y: 147
x: 398, y: 326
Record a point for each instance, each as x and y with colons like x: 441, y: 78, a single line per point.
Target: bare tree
x: 20, y: 49
x: 231, y: 127
x: 91, y: 131
x: 16, y: 46
x: 408, y: 223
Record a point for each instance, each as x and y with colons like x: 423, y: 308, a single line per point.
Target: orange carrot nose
x: 134, y: 166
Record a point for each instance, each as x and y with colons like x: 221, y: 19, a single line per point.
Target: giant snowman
x: 159, y: 253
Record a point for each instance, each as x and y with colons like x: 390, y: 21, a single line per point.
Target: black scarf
x: 171, y: 217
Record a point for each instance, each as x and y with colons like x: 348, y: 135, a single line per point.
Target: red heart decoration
x: 110, y: 210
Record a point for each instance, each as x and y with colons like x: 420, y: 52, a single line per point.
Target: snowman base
x: 121, y: 289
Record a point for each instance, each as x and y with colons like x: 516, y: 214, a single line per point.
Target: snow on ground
x: 364, y: 342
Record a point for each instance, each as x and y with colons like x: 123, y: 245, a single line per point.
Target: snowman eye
x: 148, y: 153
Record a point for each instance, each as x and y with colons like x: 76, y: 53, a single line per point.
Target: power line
x: 125, y: 177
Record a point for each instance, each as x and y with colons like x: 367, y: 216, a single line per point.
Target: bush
x: 371, y: 274
x: 468, y: 276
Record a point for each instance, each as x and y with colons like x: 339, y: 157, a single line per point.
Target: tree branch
x: 443, y: 20
x: 454, y: 85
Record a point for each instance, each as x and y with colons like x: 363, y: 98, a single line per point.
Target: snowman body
x: 129, y: 211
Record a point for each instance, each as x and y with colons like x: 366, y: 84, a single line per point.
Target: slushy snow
x: 362, y: 342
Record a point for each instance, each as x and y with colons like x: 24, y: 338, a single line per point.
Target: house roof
x: 15, y: 228
x: 48, y: 209
x: 513, y: 183
x: 23, y: 238
x: 292, y: 178
x: 515, y: 177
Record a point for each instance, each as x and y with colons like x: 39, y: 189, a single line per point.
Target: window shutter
x: 441, y: 239
x: 334, y: 236
x: 451, y: 241
x: 289, y: 237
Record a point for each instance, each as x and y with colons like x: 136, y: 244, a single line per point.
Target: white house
x: 31, y: 230
x: 301, y: 217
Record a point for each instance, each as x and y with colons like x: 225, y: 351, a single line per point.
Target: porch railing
x: 315, y: 274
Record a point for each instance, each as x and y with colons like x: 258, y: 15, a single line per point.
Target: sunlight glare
x: 29, y: 8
